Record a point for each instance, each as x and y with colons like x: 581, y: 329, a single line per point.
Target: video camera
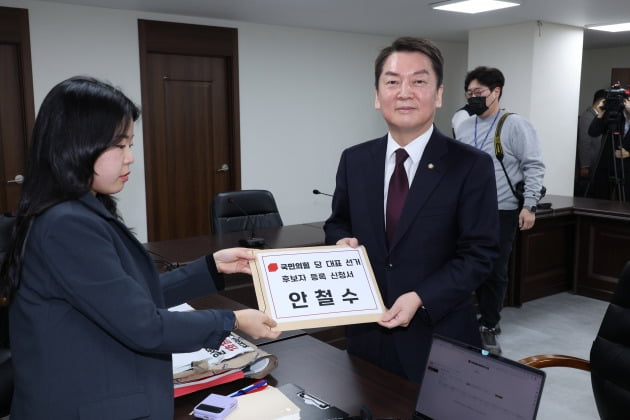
x: 613, y: 104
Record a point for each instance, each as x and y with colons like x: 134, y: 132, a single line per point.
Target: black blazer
x: 443, y: 249
x: 91, y: 335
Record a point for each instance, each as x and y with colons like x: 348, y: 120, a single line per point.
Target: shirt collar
x: 414, y: 149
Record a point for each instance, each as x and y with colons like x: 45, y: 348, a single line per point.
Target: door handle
x: 17, y: 180
x: 224, y: 168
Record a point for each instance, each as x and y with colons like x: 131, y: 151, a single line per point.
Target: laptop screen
x: 464, y: 382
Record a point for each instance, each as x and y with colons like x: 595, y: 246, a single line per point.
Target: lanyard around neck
x: 487, y: 132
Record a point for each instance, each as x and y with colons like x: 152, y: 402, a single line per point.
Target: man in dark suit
x: 428, y: 218
x: 588, y: 146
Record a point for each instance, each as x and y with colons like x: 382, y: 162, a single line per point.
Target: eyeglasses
x: 476, y: 92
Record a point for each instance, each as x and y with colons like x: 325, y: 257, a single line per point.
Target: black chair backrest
x: 6, y: 227
x: 244, y: 210
x: 610, y: 355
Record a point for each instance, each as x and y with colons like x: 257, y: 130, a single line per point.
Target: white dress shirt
x: 415, y: 149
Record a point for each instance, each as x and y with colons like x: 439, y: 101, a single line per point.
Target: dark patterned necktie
x: 396, y: 195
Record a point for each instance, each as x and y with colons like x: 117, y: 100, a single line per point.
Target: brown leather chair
x: 609, y: 362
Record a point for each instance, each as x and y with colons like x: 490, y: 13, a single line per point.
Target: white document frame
x: 314, y: 287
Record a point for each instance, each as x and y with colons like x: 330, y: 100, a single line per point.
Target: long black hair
x: 78, y: 120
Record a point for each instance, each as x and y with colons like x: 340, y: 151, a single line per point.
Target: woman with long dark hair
x: 90, y: 332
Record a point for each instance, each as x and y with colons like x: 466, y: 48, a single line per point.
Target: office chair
x: 609, y: 362
x: 244, y: 210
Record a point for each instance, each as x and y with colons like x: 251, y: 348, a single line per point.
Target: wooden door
x: 16, y: 103
x: 187, y: 101
x: 190, y: 124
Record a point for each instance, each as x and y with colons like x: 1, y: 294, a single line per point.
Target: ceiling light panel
x: 472, y: 6
x: 617, y: 27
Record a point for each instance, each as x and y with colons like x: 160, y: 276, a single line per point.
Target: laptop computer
x: 464, y: 382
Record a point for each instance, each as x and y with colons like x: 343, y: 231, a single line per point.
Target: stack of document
x: 231, y: 347
x: 236, y: 358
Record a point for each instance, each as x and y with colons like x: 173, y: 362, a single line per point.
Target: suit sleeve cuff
x: 219, y: 280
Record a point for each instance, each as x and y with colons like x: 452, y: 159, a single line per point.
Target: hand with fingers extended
x: 255, y: 323
x: 233, y: 260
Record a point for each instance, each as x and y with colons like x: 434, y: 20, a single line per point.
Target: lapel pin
x: 430, y: 166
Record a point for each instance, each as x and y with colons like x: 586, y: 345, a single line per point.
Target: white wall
x: 554, y: 108
x: 511, y: 50
x: 305, y: 95
x: 455, y: 69
x: 596, y: 69
x: 72, y: 40
x: 541, y: 63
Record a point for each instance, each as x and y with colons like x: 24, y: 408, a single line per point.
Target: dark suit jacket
x: 588, y: 146
x: 90, y: 333
x: 600, y: 183
x: 443, y: 248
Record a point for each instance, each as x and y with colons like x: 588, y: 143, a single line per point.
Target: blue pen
x: 249, y: 388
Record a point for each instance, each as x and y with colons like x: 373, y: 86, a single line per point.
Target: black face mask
x: 477, y: 104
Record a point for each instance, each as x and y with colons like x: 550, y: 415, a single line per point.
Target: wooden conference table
x: 238, y: 287
x: 184, y: 250
x: 321, y: 369
x: 579, y: 245
x: 329, y: 373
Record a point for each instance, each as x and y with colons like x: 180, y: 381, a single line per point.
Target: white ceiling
x: 393, y: 17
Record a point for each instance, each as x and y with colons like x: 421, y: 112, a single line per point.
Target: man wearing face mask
x: 523, y: 162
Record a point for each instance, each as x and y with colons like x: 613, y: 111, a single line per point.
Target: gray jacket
x: 523, y: 159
